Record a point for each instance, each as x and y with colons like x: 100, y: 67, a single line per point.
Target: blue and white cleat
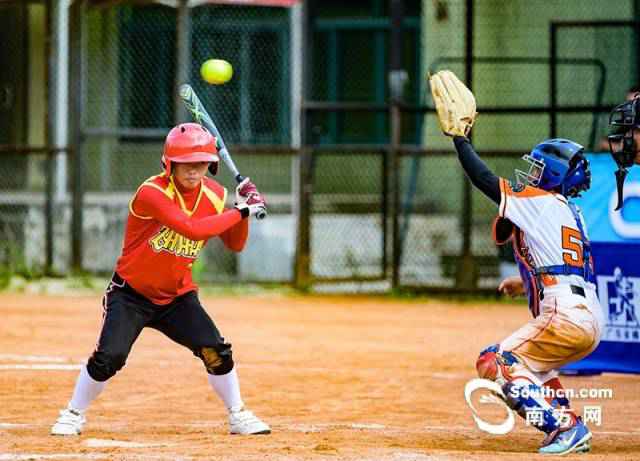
x: 574, y: 440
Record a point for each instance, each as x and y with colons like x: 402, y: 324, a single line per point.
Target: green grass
x: 89, y: 285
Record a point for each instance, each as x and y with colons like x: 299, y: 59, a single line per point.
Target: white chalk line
x: 109, y: 443
x: 35, y: 358
x: 397, y: 456
x: 35, y: 456
x: 45, y: 456
x: 372, y: 426
x: 358, y: 371
x: 38, y: 362
x: 413, y: 456
x: 65, y: 365
x: 113, y: 426
x: 322, y: 427
x: 40, y: 366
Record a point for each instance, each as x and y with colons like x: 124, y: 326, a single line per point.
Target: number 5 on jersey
x: 572, y: 244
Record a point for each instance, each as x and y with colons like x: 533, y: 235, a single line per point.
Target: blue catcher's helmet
x: 557, y: 165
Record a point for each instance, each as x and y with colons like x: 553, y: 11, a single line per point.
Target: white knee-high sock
x: 228, y: 389
x: 86, y: 390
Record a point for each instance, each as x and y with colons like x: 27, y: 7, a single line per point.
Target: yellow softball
x: 216, y: 71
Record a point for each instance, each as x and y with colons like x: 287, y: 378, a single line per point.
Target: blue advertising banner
x: 598, y: 204
x: 618, y: 281
x: 615, y: 237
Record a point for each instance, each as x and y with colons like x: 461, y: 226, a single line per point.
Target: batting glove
x: 245, y: 190
x: 253, y: 209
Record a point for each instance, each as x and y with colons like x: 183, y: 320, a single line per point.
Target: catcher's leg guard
x: 527, y: 399
x: 495, y: 365
x: 558, y: 400
x: 522, y: 390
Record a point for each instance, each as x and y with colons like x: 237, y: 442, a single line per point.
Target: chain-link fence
x: 360, y: 182
x: 34, y: 235
x: 348, y: 226
x: 612, y: 52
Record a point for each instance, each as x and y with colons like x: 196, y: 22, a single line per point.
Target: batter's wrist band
x: 243, y: 208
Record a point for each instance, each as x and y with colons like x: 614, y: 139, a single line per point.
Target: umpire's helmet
x: 190, y: 142
x: 558, y: 165
x: 622, y: 121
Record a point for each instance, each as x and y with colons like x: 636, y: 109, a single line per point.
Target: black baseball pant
x: 126, y: 312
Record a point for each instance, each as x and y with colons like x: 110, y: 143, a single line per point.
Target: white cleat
x: 69, y: 422
x: 246, y: 423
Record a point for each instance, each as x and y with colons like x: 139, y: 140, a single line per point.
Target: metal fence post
x: 636, y: 40
x: 76, y: 89
x: 183, y: 56
x: 467, y: 272
x: 303, y: 241
x: 553, y: 84
x: 48, y: 212
x: 302, y: 266
x: 397, y: 81
x: 49, y: 136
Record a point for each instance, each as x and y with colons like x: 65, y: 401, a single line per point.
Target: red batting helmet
x: 190, y: 142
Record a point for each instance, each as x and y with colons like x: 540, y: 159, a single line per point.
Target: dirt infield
x: 337, y: 378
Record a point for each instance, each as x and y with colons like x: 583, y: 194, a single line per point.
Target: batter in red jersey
x: 171, y: 217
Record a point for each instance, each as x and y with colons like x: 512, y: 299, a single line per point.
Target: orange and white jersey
x: 549, y: 234
x: 567, y: 323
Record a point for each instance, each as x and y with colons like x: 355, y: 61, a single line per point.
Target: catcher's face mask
x: 623, y: 121
x: 533, y: 175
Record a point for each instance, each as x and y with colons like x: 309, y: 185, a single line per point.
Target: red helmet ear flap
x: 166, y: 165
x: 213, y: 168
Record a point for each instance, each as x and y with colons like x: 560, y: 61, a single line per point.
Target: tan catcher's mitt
x: 454, y: 102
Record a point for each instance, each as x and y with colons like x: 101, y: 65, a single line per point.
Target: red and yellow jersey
x: 166, y: 230
x: 547, y: 233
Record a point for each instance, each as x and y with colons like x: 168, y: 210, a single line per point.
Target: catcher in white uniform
x: 553, y: 252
